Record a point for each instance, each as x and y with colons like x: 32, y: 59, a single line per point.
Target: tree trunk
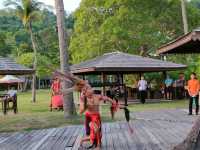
x: 25, y: 85
x: 34, y: 64
x: 69, y: 108
x: 184, y: 16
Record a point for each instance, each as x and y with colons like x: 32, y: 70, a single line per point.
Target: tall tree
x: 184, y: 16
x: 132, y: 26
x: 27, y: 10
x: 69, y: 108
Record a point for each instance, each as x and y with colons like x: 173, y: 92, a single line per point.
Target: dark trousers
x: 152, y: 94
x: 180, y: 92
x: 142, y: 96
x: 196, y: 103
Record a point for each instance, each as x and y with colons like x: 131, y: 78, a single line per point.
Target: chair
x: 6, y: 100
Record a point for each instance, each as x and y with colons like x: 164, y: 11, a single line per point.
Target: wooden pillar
x: 140, y: 75
x: 83, y: 76
x: 103, y: 79
x: 164, y: 75
x: 39, y: 83
x: 121, y: 79
x: 125, y: 89
x: 125, y: 96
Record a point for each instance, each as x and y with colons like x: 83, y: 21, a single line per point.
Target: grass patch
x: 37, y: 115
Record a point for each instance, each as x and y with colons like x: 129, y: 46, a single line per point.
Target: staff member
x: 193, y: 91
x: 168, y: 88
x: 142, y: 87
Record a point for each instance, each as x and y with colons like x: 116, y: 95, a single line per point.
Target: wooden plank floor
x: 153, y: 130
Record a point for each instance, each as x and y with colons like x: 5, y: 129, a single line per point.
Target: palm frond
x: 14, y: 3
x: 26, y: 10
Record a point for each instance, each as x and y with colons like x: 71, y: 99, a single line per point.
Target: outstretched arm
x: 81, y: 108
x: 106, y: 98
x: 66, y: 76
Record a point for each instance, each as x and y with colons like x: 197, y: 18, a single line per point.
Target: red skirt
x: 95, y: 128
x: 57, y: 101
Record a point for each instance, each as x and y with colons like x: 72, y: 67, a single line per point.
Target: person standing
x: 180, y: 85
x: 193, y: 91
x: 152, y: 88
x: 168, y: 87
x: 142, y: 87
x: 56, y: 95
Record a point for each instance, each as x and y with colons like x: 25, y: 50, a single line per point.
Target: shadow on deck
x: 153, y: 130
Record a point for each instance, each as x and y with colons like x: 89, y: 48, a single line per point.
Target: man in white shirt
x: 12, y: 93
x: 142, y: 87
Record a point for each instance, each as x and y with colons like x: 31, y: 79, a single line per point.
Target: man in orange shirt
x: 193, y: 90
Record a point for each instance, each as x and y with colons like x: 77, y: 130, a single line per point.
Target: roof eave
x: 83, y: 70
x: 16, y: 72
x: 127, y: 70
x: 176, y: 43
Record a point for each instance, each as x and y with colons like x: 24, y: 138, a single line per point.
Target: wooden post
x: 83, y: 76
x: 103, y: 77
x: 122, y: 79
x: 39, y: 83
x: 125, y: 89
x: 164, y: 75
x: 125, y: 96
x: 140, y: 75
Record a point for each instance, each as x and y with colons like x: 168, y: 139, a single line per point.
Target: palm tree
x: 69, y: 108
x: 184, y: 16
x: 27, y: 10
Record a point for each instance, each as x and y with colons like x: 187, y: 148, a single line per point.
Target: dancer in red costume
x: 89, y: 104
x: 57, y: 97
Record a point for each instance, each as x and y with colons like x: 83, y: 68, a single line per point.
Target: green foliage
x: 26, y: 10
x: 15, y: 39
x: 25, y: 59
x: 3, y: 44
x: 133, y: 26
x: 44, y: 62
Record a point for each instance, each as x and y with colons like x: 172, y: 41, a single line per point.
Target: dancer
x: 56, y: 95
x: 89, y: 104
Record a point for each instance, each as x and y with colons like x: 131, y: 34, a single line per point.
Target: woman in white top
x: 142, y: 87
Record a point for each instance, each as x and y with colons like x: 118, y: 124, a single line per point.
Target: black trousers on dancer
x: 196, y: 103
x: 142, y: 96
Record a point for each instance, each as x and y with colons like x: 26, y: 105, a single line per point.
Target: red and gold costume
x: 95, y: 127
x: 57, y: 97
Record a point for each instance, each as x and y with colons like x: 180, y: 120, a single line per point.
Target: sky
x: 70, y: 5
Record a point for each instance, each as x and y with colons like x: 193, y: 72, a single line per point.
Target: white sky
x: 70, y: 5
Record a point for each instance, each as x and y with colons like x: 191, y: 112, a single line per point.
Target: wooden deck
x: 153, y: 130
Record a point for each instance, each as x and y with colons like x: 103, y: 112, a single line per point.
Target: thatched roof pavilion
x: 124, y: 63
x: 186, y: 44
x: 10, y: 67
x: 118, y: 64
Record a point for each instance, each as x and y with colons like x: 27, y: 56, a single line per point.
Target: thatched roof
x: 10, y: 67
x: 123, y: 62
x: 188, y: 43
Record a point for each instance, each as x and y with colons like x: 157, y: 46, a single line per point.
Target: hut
x: 186, y: 44
x: 119, y: 64
x: 10, y: 67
